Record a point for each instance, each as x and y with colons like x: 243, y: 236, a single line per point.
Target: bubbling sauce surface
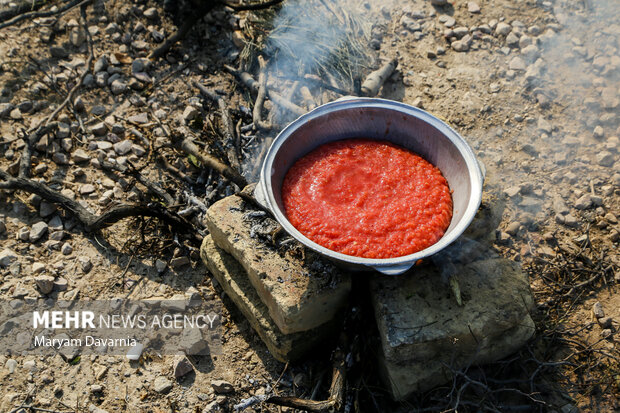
x: 367, y: 198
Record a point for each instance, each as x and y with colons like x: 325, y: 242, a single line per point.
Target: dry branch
x: 252, y: 6
x: 260, y: 97
x: 189, y: 147
x: 229, y: 135
x: 375, y: 80
x: 92, y: 222
x: 248, y: 81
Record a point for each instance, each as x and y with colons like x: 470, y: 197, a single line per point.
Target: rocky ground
x: 532, y: 85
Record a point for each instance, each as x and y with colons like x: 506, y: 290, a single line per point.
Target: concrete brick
x: 301, y: 290
x: 234, y: 281
x: 422, y: 329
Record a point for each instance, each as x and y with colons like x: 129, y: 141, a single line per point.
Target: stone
x: 597, y: 310
x: 512, y: 39
x: 7, y: 257
x: 46, y: 209
x: 182, y: 366
x: 300, y: 295
x: 94, y: 409
x: 80, y: 155
x: 503, y: 29
x: 87, y: 189
x: 235, y: 282
x: 140, y: 118
x: 179, y: 262
x: 85, y: 264
x: 96, y: 388
x: 101, y: 64
x: 605, y: 322
x: 2, y: 226
x: 584, y: 202
x: 162, y: 385
x: 37, y: 231
x: 517, y: 64
x: 135, y: 352
x: 190, y: 113
x: 118, y: 86
x: 222, y: 386
x: 151, y: 13
x: 192, y: 343
x: 60, y: 158
x: 160, y: 266
x: 66, y: 249
x: 598, y: 132
x: 45, y: 283
x: 473, y: 7
x: 99, y: 129
x: 11, y: 365
x: 493, y: 322
x: 460, y: 46
x: 605, y: 158
x: 16, y: 114
x: 38, y: 267
x: 123, y: 147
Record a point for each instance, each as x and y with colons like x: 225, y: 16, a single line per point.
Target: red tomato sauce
x: 367, y: 198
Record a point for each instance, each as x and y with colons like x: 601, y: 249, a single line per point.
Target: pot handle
x: 259, y: 195
x: 393, y: 269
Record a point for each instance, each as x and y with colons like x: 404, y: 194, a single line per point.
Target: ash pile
x: 429, y: 324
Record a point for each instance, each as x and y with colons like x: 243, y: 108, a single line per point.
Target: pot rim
x: 265, y: 194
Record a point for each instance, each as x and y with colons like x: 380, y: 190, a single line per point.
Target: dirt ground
x: 543, y: 120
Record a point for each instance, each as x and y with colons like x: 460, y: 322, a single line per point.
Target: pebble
x: 123, y: 147
x: 80, y: 155
x: 473, y: 7
x: 503, y: 29
x: 96, y: 388
x: 66, y: 249
x: 151, y: 13
x: 140, y: 118
x: 182, y: 366
x: 45, y: 283
x: 460, y: 46
x: 118, y: 86
x: 2, y: 226
x: 87, y: 189
x: 222, y: 386
x: 513, y: 228
x: 606, y: 333
x: 597, y: 310
x: 160, y: 265
x: 605, y: 158
x: 517, y: 63
x: 37, y: 231
x: 570, y: 221
x: 11, y: 365
x: 85, y: 263
x: 179, y: 262
x: 101, y: 64
x: 16, y: 114
x: 190, y: 113
x: 38, y: 267
x: 605, y: 322
x: 512, y: 39
x: 599, y: 132
x: 46, y: 209
x: 162, y: 385
x: 99, y: 129
x: 135, y: 352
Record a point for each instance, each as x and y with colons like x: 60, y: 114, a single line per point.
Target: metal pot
x: 378, y: 119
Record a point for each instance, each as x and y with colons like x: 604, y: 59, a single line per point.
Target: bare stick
x: 375, y: 80
x: 248, y: 81
x: 260, y: 97
x: 189, y: 147
x: 154, y: 188
x: 253, y: 6
x: 307, y: 97
x: 336, y: 391
x: 24, y: 8
x: 229, y: 136
x: 92, y: 222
